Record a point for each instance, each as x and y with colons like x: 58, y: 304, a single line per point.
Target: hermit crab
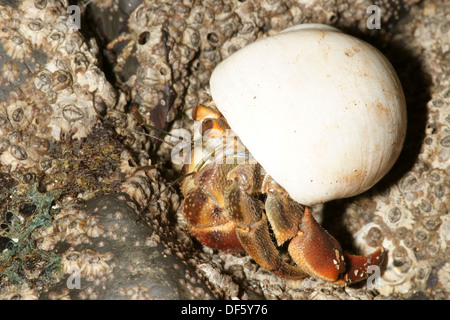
x: 303, y: 117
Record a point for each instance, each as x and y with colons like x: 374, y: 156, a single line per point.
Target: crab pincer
x: 320, y: 255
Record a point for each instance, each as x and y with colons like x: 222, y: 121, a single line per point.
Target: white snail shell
x: 323, y: 112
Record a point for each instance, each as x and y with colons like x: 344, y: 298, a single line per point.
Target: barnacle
x: 10, y: 72
x: 17, y: 47
x: 138, y: 187
x: 70, y: 262
x: 94, y: 264
x: 46, y: 242
x: 94, y: 228
x: 19, y: 114
x: 127, y: 163
x: 139, y: 293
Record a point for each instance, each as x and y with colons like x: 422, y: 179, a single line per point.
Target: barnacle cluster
x: 88, y: 262
x: 410, y: 216
x: 63, y: 128
x: 53, y: 87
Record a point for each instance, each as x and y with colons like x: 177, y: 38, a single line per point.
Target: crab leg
x: 312, y: 248
x: 255, y: 239
x: 252, y: 228
x: 203, y: 209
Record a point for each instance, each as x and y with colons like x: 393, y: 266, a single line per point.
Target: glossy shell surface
x: 322, y: 111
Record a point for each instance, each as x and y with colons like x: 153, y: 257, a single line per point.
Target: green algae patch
x: 22, y: 260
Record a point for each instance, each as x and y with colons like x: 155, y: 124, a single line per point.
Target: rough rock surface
x: 78, y: 192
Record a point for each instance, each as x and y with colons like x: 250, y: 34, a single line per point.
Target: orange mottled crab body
x: 230, y: 202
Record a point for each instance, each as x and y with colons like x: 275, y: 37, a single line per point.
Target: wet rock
x: 113, y: 254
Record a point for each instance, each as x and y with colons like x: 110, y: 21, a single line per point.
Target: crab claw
x: 320, y: 255
x: 357, y: 268
x: 315, y: 251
